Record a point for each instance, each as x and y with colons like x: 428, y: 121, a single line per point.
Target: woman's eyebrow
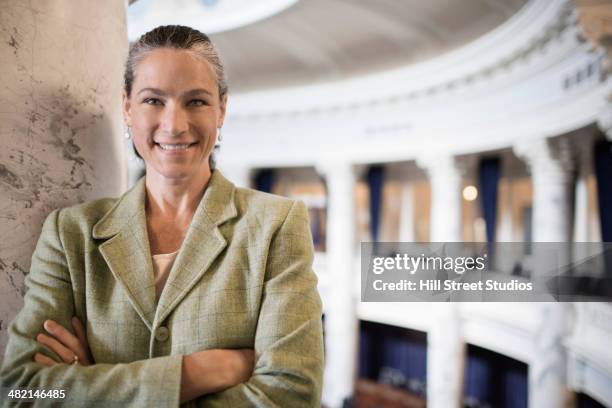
x: 191, y: 92
x: 152, y: 90
x: 198, y: 91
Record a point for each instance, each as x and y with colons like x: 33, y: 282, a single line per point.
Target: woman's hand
x: 209, y: 371
x: 71, y: 349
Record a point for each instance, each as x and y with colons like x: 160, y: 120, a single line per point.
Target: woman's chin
x: 179, y: 172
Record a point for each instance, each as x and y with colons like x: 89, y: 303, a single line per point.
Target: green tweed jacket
x: 242, y: 279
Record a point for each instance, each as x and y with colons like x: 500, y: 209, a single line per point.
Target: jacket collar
x: 217, y: 205
x: 128, y: 255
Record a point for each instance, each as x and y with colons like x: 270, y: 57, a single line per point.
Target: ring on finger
x: 75, y: 360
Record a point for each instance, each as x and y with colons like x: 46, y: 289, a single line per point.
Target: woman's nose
x: 174, y: 120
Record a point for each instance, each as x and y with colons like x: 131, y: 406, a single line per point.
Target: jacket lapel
x: 201, y: 246
x: 127, y: 252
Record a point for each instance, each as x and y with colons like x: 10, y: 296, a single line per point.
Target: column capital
x: 594, y: 19
x: 548, y: 155
x: 340, y: 169
x: 551, y: 163
x: 447, y: 163
x: 437, y: 162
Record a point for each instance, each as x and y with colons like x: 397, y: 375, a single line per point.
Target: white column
x: 581, y: 214
x: 406, y: 229
x: 445, y: 180
x: 445, y: 346
x: 239, y: 175
x: 548, y: 369
x: 340, y: 310
x: 60, y: 122
x: 445, y: 357
x: 552, y: 176
x: 551, y: 169
x: 585, y: 230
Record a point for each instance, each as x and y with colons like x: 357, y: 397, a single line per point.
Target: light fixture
x: 470, y: 193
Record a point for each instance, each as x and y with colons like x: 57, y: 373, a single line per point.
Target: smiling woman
x: 174, y: 110
x: 184, y: 289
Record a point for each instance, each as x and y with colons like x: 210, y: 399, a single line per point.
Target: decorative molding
x: 332, y: 122
x: 554, y: 156
x: 595, y: 18
x: 520, y: 50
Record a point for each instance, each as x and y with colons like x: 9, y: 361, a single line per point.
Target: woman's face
x: 174, y: 112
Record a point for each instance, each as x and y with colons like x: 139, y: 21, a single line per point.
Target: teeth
x: 173, y: 146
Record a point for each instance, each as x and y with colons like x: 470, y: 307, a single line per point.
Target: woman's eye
x: 152, y: 101
x: 198, y: 102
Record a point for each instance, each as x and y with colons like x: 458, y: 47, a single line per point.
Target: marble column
x: 406, y: 228
x: 584, y: 229
x: 548, y: 369
x: 60, y: 123
x: 551, y: 167
x: 445, y: 347
x: 340, y: 310
x: 445, y: 357
x: 445, y: 180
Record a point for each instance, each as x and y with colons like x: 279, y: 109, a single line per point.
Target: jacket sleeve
x: 288, y: 341
x: 154, y: 382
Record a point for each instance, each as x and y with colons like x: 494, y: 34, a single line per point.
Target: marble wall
x: 60, y: 121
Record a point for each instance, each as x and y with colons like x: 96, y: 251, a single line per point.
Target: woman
x: 188, y: 288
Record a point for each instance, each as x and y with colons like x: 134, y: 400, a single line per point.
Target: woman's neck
x: 169, y: 198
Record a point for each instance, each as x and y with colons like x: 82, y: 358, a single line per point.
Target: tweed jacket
x: 242, y: 279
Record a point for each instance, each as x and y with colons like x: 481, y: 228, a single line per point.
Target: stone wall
x: 60, y: 122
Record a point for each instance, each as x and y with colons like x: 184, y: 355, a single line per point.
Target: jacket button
x: 162, y: 333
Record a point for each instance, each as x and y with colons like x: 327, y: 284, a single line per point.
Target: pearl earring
x: 219, y: 135
x: 128, y: 133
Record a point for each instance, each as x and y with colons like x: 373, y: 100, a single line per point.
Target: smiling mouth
x: 175, y: 146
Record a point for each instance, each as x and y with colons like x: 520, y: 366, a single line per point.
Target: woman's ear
x: 127, y: 117
x: 222, y: 109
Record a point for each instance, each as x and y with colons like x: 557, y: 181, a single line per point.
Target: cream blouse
x: 162, y: 263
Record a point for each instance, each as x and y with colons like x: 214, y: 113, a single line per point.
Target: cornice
x: 506, y: 52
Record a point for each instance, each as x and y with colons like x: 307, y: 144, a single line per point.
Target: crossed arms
x: 288, y: 351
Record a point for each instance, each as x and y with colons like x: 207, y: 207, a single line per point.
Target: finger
x: 58, y: 348
x: 64, y: 336
x: 79, y: 329
x: 44, y: 360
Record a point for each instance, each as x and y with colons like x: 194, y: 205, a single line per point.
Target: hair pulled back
x: 180, y: 38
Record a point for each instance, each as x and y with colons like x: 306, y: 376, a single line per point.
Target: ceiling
x: 209, y: 16
x: 314, y: 41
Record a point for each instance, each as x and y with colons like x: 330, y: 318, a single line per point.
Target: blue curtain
x: 264, y: 180
x: 603, y: 172
x: 365, y: 368
x: 376, y: 176
x: 492, y: 379
x: 488, y: 173
x: 515, y: 388
x: 477, y: 376
x: 393, y: 355
x: 315, y: 227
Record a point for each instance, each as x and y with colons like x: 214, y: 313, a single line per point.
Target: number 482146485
x: 37, y: 394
